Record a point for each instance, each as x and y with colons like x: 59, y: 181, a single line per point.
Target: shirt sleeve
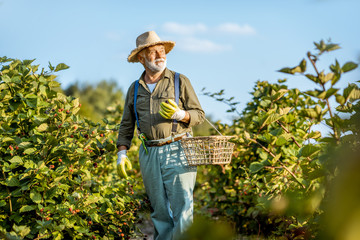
x: 127, y: 125
x: 191, y: 102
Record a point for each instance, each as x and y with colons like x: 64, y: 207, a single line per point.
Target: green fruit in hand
x: 121, y: 167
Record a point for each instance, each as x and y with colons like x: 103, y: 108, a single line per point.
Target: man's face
x: 154, y: 58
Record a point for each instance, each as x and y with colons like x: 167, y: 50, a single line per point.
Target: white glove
x: 121, y: 155
x: 179, y: 115
x: 122, y: 162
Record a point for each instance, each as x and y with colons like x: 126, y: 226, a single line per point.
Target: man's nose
x: 160, y: 55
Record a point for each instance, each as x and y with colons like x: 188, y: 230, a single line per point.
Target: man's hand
x: 170, y: 110
x: 121, y: 162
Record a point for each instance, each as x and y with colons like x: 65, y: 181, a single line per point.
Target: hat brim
x: 169, y: 45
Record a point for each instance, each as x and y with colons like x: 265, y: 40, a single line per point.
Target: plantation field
x: 286, y: 180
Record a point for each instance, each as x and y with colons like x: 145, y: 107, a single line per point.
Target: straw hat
x: 148, y: 39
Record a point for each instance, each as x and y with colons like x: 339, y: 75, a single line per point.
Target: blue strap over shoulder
x: 135, y: 98
x: 177, y: 87
x: 177, y: 91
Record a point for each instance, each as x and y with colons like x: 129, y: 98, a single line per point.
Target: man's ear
x: 141, y: 59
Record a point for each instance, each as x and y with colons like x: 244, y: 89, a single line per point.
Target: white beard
x: 156, y: 66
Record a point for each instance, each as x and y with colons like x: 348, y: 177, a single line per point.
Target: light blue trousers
x: 169, y: 182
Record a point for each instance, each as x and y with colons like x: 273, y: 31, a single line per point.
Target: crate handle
x: 213, y: 126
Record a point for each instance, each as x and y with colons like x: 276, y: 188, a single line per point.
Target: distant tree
x: 96, y: 99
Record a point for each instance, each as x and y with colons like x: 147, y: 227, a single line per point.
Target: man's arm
x: 122, y: 147
x: 186, y: 119
x: 127, y: 125
x: 194, y: 113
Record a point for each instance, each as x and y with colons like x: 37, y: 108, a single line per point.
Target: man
x: 161, y: 122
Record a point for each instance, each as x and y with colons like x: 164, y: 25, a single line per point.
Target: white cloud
x: 187, y: 41
x: 201, y: 45
x: 236, y: 28
x: 191, y: 29
x: 184, y: 29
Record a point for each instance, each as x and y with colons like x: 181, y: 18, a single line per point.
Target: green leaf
x: 340, y: 99
x: 266, y: 137
x: 61, y: 66
x: 43, y: 127
x: 335, y: 67
x: 281, y: 141
x: 16, y: 160
x: 22, y: 231
x: 6, y: 78
x: 308, y: 150
x: 25, y: 145
x: 330, y: 92
x: 38, y: 119
x: 247, y: 135
x: 80, y: 229
x: 27, y: 208
x: 7, y: 139
x: 29, y: 150
x: 36, y: 197
x: 255, y: 167
x: 303, y: 65
x: 314, y: 134
x: 311, y: 113
x: 352, y: 92
x: 269, y: 118
x: 284, y: 111
x: 28, y: 62
x: 95, y: 217
x: 331, y: 47
x: 275, y: 159
x: 51, y: 67
x: 312, y: 78
x: 347, y: 108
x: 317, y: 93
x: 322, y: 47
x: 328, y: 77
x: 279, y: 94
x: 286, y: 70
x: 297, y: 69
x: 349, y: 66
x: 12, y: 181
x: 54, y: 84
x: 335, y: 79
x: 31, y: 100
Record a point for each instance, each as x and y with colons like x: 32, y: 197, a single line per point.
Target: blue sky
x: 219, y: 44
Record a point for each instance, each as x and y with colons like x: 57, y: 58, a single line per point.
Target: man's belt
x: 164, y: 141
